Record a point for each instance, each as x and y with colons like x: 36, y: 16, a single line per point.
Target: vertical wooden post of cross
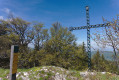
x: 13, y: 62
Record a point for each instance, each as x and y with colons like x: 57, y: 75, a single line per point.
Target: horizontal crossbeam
x: 99, y: 25
x: 91, y: 26
x: 77, y: 28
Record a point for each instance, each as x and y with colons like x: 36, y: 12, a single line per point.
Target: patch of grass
x: 4, y: 72
x: 41, y: 78
x: 75, y: 74
x: 23, y: 70
x: 26, y: 70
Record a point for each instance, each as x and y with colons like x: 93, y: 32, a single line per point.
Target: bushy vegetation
x: 56, y: 47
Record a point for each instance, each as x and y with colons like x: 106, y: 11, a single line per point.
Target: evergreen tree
x: 96, y: 61
x: 103, y: 63
x: 99, y: 62
x: 81, y: 58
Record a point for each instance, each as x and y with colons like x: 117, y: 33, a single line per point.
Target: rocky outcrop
x: 58, y: 73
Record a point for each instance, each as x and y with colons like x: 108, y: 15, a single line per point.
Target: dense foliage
x: 99, y: 63
x: 56, y: 47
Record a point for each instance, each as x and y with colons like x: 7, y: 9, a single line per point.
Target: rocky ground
x: 57, y: 73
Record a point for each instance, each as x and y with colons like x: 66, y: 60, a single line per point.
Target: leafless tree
x: 109, y: 37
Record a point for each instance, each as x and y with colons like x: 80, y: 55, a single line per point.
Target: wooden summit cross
x: 88, y: 34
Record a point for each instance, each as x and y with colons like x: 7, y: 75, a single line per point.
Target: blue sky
x: 67, y: 12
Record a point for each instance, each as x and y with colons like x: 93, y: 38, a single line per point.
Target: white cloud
x: 7, y: 10
x: 1, y: 17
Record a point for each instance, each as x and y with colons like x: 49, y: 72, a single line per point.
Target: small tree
x: 81, y: 58
x: 96, y: 61
x: 20, y: 33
